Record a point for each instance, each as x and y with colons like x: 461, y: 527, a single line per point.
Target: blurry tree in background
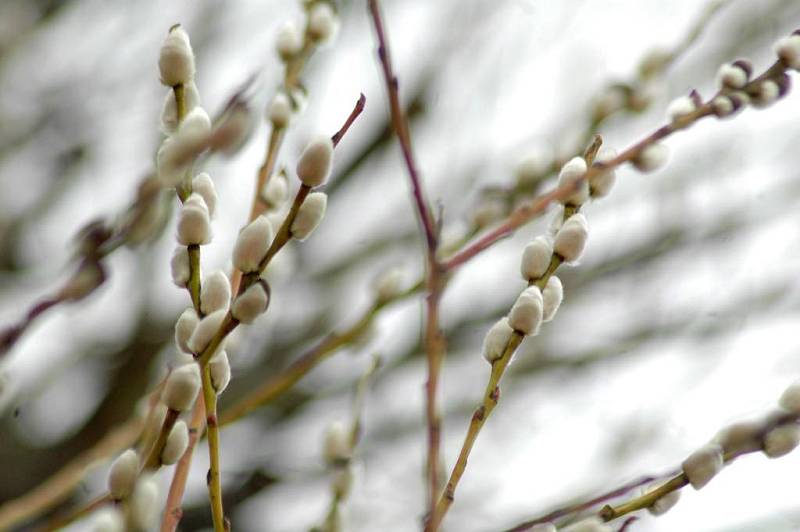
x: 348, y: 403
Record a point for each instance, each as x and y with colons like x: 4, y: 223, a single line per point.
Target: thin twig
x: 436, y: 280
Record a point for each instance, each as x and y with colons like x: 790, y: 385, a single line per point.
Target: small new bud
x: 194, y: 224
x: 170, y: 172
x: 203, y: 185
x: 665, y: 503
x: 206, y: 330
x: 108, y: 520
x: 601, y: 184
x: 279, y: 111
x: 703, y: 465
x: 179, y: 266
x: 181, y: 387
x: 788, y: 51
x: 389, y: 284
x: 122, y: 475
x: 556, y: 221
x: 84, y: 281
x: 680, y: 108
x: 251, y: 304
x: 314, y: 165
x: 144, y: 507
x: 571, y: 175
x: 790, y: 399
x: 275, y: 191
x: 233, y: 129
x: 322, y: 22
x: 741, y: 437
x: 177, y: 442
x: 176, y: 60
x: 526, y: 313
x: 288, y: 43
x: 781, y: 440
x: 252, y: 244
x: 651, y: 158
x: 591, y: 524
x: 734, y: 75
x: 571, y: 238
x: 336, y: 446
x: 184, y: 328
x: 766, y: 94
x: 536, y: 258
x: 496, y: 340
x: 215, y: 293
x: 552, y: 295
x: 220, y: 369
x: 169, y: 111
x: 309, y: 215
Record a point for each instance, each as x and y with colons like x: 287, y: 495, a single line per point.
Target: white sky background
x: 509, y: 76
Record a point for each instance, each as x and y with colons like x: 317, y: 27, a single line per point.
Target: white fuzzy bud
x: 651, y: 158
x: 788, y: 51
x: 556, y: 221
x: 767, y: 93
x: 601, y: 184
x: 194, y: 223
x: 552, y: 295
x: 336, y: 445
x: 108, y: 520
x: 703, y: 465
x: 220, y: 369
x: 288, y: 43
x: 203, y: 185
x: 389, y: 284
x: 250, y: 304
x: 194, y: 129
x: 179, y: 266
x: 571, y: 238
x: 314, y: 165
x: 781, y: 440
x: 144, y: 508
x: 570, y: 173
x: 741, y: 437
x: 176, y: 60
x: 533, y: 167
x: 279, y: 111
x: 252, y: 244
x: 181, y: 387
x: 323, y: 23
x: 122, y: 475
x: 488, y: 211
x: 309, y: 215
x: 176, y: 444
x: 206, y: 330
x: 790, y: 399
x: 169, y: 111
x: 723, y: 106
x: 591, y: 524
x: 275, y: 191
x: 526, y: 313
x: 215, y: 293
x: 184, y: 327
x: 544, y: 527
x: 169, y: 171
x: 496, y: 340
x: 536, y: 258
x: 342, y: 482
x: 665, y: 503
x: 680, y: 108
x: 732, y: 76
